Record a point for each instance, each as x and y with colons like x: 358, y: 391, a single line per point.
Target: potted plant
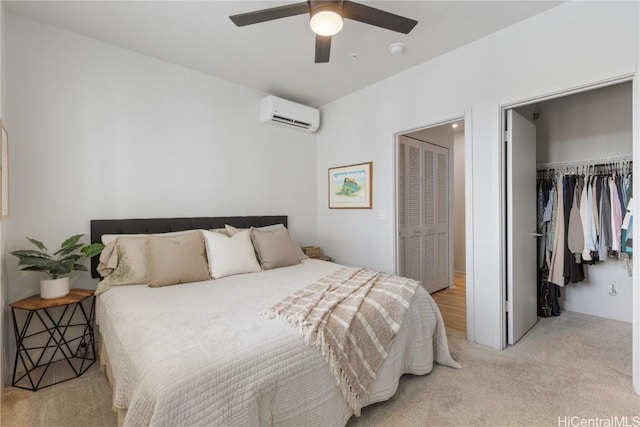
x: 57, y: 266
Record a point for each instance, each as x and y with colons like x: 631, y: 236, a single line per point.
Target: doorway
x: 430, y: 212
x: 568, y: 136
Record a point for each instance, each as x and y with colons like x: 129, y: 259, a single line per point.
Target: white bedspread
x: 202, y: 354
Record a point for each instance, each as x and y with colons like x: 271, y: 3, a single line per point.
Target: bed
x: 203, y: 353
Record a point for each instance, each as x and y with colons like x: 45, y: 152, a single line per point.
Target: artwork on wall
x: 350, y: 187
x: 4, y: 171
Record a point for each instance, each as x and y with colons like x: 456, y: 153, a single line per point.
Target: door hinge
x: 507, y: 306
x: 506, y: 136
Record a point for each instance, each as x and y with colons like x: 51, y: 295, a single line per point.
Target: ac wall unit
x: 290, y: 115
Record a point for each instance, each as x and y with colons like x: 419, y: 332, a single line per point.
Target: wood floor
x: 453, y: 305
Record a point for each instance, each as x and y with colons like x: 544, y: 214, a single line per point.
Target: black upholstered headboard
x: 165, y: 225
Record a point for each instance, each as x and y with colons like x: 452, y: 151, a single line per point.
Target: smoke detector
x: 397, y: 48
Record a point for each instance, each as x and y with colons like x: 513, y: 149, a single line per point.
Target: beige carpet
x: 81, y: 402
x: 571, y: 366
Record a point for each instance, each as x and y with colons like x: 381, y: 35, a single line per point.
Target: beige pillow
x: 174, y: 260
x: 230, y: 255
x: 107, y: 238
x: 123, y: 261
x: 231, y: 230
x: 108, y: 260
x: 275, y: 248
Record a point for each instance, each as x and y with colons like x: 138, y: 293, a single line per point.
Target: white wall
x: 636, y: 260
x: 574, y: 41
x: 459, y: 244
x: 596, y: 124
x: 4, y: 312
x: 437, y: 135
x: 101, y: 132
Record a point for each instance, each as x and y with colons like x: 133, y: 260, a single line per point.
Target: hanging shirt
x: 619, y: 182
x: 575, y: 235
x: 596, y: 204
x: 584, y: 216
x: 627, y: 186
x: 604, y: 241
x: 556, y: 269
x: 550, y: 215
x: 616, y: 215
x: 627, y: 229
x: 547, y: 214
x: 591, y: 242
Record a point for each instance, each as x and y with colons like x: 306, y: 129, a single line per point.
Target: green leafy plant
x: 62, y: 262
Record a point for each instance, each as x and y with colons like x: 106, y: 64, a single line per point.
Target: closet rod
x: 592, y: 162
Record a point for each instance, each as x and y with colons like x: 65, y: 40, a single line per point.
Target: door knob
x: 537, y: 234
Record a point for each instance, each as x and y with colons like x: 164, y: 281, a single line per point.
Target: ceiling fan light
x: 326, y: 23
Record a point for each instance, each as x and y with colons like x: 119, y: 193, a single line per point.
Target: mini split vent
x: 291, y: 122
x: 280, y: 112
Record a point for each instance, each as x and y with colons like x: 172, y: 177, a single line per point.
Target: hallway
x: 453, y: 305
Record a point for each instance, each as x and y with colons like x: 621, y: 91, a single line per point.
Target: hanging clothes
x: 547, y: 293
x: 573, y: 271
x: 575, y: 233
x: 585, y: 209
x: 596, y: 208
x: 591, y: 230
x: 616, y: 215
x: 605, y: 218
x: 556, y: 273
x: 583, y: 219
x: 627, y: 230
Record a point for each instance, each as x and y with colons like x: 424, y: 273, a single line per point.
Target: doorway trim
x: 626, y: 74
x: 468, y: 181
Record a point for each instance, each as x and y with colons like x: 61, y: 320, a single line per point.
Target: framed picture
x: 4, y: 171
x: 350, y: 187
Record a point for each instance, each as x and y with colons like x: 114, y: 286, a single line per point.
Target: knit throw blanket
x: 352, y: 317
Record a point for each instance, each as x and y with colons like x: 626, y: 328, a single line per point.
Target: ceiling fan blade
x: 323, y: 48
x: 270, y: 14
x: 379, y: 18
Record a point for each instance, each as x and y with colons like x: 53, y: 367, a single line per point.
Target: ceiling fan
x: 327, y: 19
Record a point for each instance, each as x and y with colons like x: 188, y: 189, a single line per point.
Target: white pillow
x: 220, y: 230
x: 230, y: 255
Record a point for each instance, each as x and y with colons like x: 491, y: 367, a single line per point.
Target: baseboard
x: 459, y: 273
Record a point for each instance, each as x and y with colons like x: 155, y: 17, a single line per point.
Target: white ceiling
x: 277, y: 57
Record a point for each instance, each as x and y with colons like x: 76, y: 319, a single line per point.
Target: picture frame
x: 4, y: 171
x: 351, y: 186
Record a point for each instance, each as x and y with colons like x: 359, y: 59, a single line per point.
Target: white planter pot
x: 54, y: 288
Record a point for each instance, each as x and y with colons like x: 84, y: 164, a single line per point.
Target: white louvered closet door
x: 423, y: 213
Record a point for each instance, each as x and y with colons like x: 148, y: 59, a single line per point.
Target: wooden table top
x: 36, y: 303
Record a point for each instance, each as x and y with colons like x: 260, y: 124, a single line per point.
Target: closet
x: 583, y: 219
x: 423, y: 213
x: 584, y: 147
